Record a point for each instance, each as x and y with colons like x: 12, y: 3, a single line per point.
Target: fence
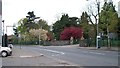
x: 85, y: 42
x: 101, y: 42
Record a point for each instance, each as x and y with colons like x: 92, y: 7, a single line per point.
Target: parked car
x: 5, y: 51
x: 10, y: 46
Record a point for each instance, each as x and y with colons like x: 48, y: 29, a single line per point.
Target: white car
x: 5, y: 51
x: 10, y: 46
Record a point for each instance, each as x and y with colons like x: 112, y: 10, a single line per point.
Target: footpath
x: 23, y: 57
x: 94, y: 48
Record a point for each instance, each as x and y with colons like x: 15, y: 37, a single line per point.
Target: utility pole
x: 0, y: 23
x: 3, y: 38
x: 0, y: 30
x: 98, y: 20
x: 97, y: 42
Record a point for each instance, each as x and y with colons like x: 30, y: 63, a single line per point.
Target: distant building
x: 119, y: 9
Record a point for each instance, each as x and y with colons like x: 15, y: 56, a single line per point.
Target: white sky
x: 49, y: 10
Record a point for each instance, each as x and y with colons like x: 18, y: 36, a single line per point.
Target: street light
x: 3, y: 38
x: 98, y: 6
x: 3, y: 26
x: 97, y: 33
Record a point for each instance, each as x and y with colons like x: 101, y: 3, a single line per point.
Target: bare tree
x: 93, y: 17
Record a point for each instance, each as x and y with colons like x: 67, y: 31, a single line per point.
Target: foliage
x: 71, y: 31
x: 43, y: 24
x: 59, y: 25
x: 108, y: 18
x: 118, y: 28
x: 92, y: 17
x: 87, y: 27
x: 65, y: 21
x: 28, y: 27
x: 39, y: 33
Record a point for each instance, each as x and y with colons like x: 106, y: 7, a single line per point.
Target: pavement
x: 20, y: 52
x: 94, y: 48
x: 23, y: 57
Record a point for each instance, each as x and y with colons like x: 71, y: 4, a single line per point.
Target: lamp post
x: 0, y: 32
x: 98, y: 6
x: 97, y: 22
x: 0, y: 24
x: 3, y: 39
x: 3, y: 26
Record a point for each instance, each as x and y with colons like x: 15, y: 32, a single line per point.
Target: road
x: 77, y: 56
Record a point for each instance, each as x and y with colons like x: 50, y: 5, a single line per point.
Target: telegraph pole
x: 98, y: 20
x: 3, y: 38
x: 97, y: 43
x: 0, y: 22
x: 0, y: 29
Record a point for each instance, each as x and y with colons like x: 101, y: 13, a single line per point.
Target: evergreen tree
x: 59, y: 25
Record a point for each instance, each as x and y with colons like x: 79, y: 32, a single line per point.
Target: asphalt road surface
x: 76, y: 55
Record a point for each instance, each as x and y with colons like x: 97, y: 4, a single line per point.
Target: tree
x: 71, y: 31
x: 118, y: 28
x: 22, y: 28
x: 108, y: 18
x: 43, y: 24
x: 74, y: 21
x: 25, y: 25
x: 59, y: 25
x: 39, y: 33
x: 93, y: 16
x: 87, y: 27
x: 65, y: 21
x: 28, y: 23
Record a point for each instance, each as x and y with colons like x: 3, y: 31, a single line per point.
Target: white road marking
x: 25, y: 56
x: 93, y: 52
x: 56, y: 55
x: 97, y: 53
x: 55, y: 51
x: 58, y: 52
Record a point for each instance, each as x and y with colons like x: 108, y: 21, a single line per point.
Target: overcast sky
x: 49, y: 10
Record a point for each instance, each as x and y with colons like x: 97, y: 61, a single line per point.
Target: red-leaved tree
x: 72, y: 31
